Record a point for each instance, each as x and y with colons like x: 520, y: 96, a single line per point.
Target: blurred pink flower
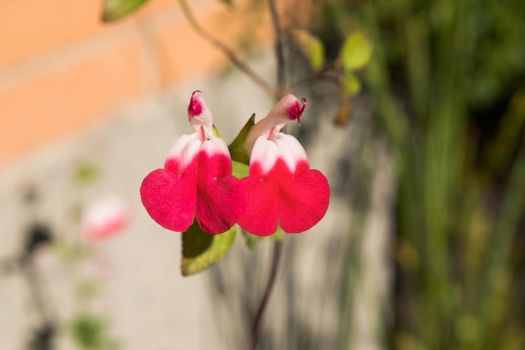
x: 104, y: 217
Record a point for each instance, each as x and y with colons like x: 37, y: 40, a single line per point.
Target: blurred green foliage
x: 446, y: 81
x: 356, y: 51
x: 90, y: 332
x: 86, y: 173
x: 311, y: 47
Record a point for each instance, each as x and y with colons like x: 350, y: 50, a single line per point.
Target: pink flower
x: 282, y: 189
x: 196, y: 181
x: 104, y: 217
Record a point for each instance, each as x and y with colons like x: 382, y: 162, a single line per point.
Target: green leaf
x: 237, y: 151
x: 90, y: 331
x: 118, y: 9
x: 240, y: 170
x: 351, y: 84
x: 356, y: 51
x: 200, y: 250
x: 216, y: 131
x: 311, y: 47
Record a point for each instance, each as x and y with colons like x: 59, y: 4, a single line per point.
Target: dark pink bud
x: 288, y: 108
x: 296, y: 109
x: 199, y: 114
x: 195, y: 105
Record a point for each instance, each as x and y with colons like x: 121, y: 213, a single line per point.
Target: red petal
x: 169, y: 199
x: 219, y: 204
x: 294, y: 201
x: 217, y: 165
x: 260, y: 217
x: 304, y: 202
x: 220, y: 196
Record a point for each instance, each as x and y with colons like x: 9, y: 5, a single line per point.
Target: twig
x: 323, y: 75
x: 279, y: 47
x: 331, y: 73
x: 276, y: 257
x: 229, y: 53
x: 277, y: 248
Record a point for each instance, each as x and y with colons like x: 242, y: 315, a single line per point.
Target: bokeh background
x: 416, y: 115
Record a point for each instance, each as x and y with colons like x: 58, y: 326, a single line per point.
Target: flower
x: 282, y: 189
x: 196, y: 181
x: 104, y: 217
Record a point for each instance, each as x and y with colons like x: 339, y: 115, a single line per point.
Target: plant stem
x: 279, y: 47
x: 256, y: 328
x: 323, y: 75
x: 229, y: 53
x: 276, y: 93
x: 277, y: 247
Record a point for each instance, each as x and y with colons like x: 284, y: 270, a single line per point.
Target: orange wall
x: 61, y: 70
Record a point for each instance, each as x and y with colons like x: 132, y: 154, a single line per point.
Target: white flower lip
x: 285, y: 147
x: 187, y: 147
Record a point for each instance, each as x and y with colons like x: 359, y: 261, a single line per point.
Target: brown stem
x: 229, y: 53
x: 256, y: 328
x: 331, y: 73
x: 277, y: 248
x: 281, y: 85
x: 279, y: 47
x: 326, y: 76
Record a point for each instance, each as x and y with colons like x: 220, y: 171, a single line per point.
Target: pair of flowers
x: 196, y: 182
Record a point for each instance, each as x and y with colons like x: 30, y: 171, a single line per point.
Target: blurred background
x: 416, y: 115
